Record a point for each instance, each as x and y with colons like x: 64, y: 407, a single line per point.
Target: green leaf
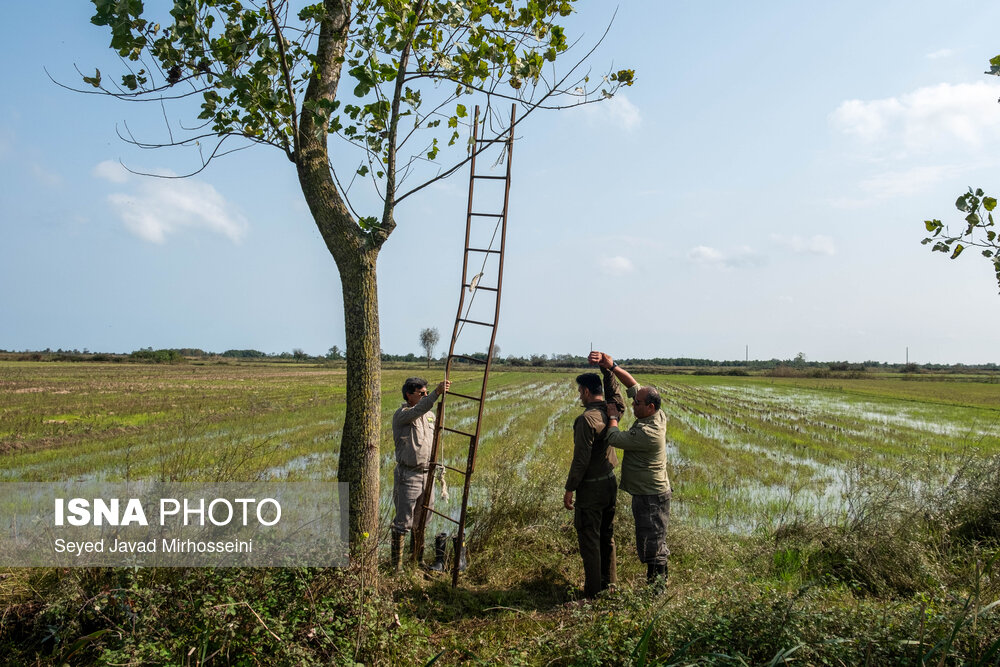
x: 989, y: 203
x: 95, y: 80
x: 931, y: 225
x: 958, y: 251
x: 461, y: 112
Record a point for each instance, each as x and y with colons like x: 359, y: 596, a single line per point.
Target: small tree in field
x: 428, y: 339
x: 353, y: 93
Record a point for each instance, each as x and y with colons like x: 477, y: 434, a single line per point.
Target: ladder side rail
x: 474, y: 445
x: 419, y: 533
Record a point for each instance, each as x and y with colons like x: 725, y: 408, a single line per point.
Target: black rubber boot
x: 656, y: 575
x: 459, y: 554
x: 440, y: 552
x: 395, y: 551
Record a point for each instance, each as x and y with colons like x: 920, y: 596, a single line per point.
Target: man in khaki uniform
x: 592, y: 478
x: 413, y: 434
x: 644, y: 464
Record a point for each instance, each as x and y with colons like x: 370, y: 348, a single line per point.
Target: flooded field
x: 744, y: 453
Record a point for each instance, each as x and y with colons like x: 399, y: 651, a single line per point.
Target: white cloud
x: 618, y: 111
x: 930, y: 118
x: 110, y: 171
x: 905, y: 183
x: 44, y: 176
x: 739, y: 258
x: 157, y: 208
x: 940, y: 53
x: 616, y: 266
x: 909, y: 181
x: 705, y: 255
x: 814, y: 245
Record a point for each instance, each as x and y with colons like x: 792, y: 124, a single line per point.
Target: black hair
x: 413, y: 384
x: 591, y: 382
x: 653, y: 397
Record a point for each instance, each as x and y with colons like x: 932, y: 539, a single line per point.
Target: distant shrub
x: 149, y: 355
x: 244, y: 354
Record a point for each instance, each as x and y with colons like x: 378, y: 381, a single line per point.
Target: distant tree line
x: 335, y: 353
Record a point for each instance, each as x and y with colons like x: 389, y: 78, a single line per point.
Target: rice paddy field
x: 810, y: 521
x: 744, y: 453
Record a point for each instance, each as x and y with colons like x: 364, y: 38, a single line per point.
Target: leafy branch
x: 978, y: 232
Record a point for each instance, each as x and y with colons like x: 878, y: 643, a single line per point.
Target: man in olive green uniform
x: 644, y: 464
x: 413, y: 435
x: 592, y: 478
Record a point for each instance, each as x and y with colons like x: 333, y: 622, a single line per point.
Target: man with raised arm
x: 644, y: 465
x: 413, y: 434
x: 592, y: 478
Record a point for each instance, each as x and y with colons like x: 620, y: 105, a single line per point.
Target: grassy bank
x: 836, y: 522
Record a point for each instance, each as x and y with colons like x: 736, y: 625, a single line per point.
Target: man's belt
x: 610, y: 475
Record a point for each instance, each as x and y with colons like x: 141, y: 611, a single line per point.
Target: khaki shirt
x: 592, y: 458
x: 413, y: 432
x: 644, y: 458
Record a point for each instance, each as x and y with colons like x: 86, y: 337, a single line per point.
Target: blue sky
x: 763, y: 184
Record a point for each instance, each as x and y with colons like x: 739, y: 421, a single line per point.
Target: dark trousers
x: 652, y: 515
x: 594, y: 518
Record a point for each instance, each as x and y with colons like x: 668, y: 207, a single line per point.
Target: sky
x: 759, y: 191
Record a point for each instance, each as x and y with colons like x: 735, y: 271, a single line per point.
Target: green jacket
x: 644, y: 458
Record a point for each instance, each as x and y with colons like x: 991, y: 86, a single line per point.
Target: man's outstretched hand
x: 601, y: 359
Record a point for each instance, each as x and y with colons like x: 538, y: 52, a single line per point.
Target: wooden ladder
x: 471, y: 286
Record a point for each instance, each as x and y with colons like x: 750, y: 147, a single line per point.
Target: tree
x: 978, y: 232
x: 334, y: 354
x: 428, y: 339
x: 263, y: 75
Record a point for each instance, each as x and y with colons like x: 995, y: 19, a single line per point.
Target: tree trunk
x: 359, y: 446
x: 355, y: 255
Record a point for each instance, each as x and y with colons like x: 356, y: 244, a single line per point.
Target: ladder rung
x: 471, y: 398
x: 460, y: 472
x: 467, y: 358
x: 485, y: 324
x: 494, y: 252
x: 487, y: 215
x: 492, y: 178
x: 445, y: 428
x: 490, y: 289
x: 491, y: 141
x: 443, y: 516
